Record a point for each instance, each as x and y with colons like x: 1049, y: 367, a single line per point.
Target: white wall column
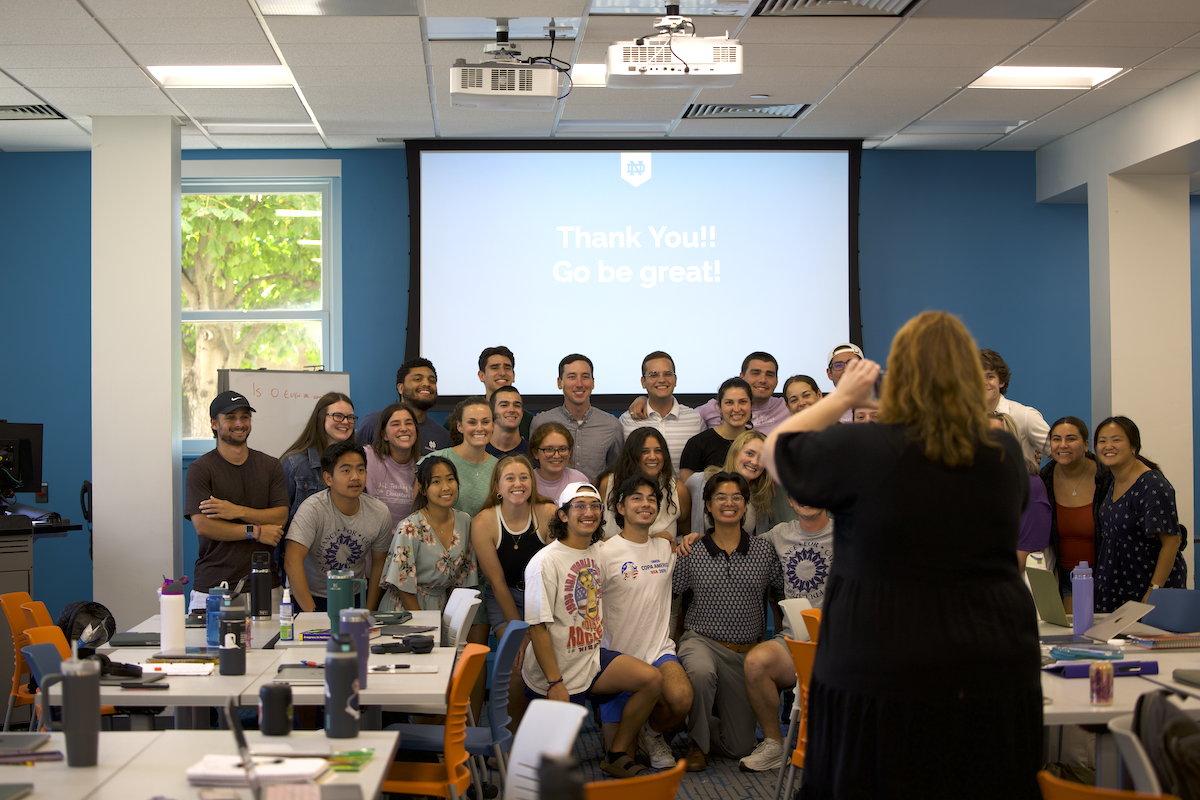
x: 1140, y: 269
x: 136, y: 401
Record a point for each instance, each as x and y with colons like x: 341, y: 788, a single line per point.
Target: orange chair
x: 19, y: 695
x: 1057, y: 789
x: 803, y: 654
x: 659, y: 786
x: 812, y: 622
x: 36, y: 614
x: 53, y: 634
x: 450, y: 778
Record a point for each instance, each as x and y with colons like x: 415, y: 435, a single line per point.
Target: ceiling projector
x: 503, y: 86
x: 674, y: 59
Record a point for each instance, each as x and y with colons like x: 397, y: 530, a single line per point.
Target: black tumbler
x: 275, y: 709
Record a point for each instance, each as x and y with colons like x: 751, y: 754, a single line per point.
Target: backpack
x: 1172, y: 742
x: 87, y: 622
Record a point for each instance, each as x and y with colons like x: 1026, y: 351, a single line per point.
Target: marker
x: 310, y: 664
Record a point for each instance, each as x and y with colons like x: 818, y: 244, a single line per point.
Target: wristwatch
x: 250, y: 532
x: 1154, y: 586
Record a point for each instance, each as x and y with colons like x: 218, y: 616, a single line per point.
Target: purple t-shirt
x: 766, y: 417
x: 392, y: 483
x: 551, y: 491
x: 1035, y: 522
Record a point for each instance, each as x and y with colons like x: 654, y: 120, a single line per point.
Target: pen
x: 392, y: 668
x: 311, y: 664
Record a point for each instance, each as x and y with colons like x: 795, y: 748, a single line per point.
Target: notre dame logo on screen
x: 635, y: 168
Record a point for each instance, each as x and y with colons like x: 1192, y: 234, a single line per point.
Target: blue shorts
x: 614, y: 709
x: 580, y: 699
x: 495, y: 615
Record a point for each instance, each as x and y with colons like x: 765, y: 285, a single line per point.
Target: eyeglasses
x: 554, y: 451
x: 725, y: 498
x: 668, y: 374
x: 838, y: 366
x: 339, y: 417
x: 582, y: 507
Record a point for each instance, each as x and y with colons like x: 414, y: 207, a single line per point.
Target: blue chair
x: 494, y: 740
x: 43, y: 659
x: 1175, y: 610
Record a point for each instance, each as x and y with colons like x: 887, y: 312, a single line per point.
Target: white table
x: 159, y: 769
x: 54, y: 780
x: 263, y: 631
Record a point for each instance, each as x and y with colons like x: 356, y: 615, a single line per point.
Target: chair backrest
x: 43, y: 659
x: 548, y: 727
x: 17, y: 624
x: 50, y: 634
x: 464, y: 615
x: 803, y: 654
x: 791, y: 609
x: 812, y: 622
x: 1175, y: 610
x: 506, y: 654
x: 659, y: 786
x: 462, y: 681
x: 1134, y: 755
x: 1057, y: 789
x: 456, y: 598
x: 36, y: 614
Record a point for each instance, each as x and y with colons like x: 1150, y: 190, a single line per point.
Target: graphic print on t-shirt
x: 581, y: 597
x: 343, y: 549
x: 805, y: 570
x: 630, y: 570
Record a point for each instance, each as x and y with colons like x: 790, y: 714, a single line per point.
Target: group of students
x: 599, y: 559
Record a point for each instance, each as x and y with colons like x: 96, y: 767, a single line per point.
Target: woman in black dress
x: 926, y: 682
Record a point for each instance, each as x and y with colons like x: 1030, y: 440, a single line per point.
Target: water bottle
x: 341, y: 688
x: 212, y: 614
x: 80, y: 708
x: 231, y: 660
x: 1083, y: 607
x: 172, y: 609
x: 357, y: 623
x: 287, y: 631
x: 260, y: 585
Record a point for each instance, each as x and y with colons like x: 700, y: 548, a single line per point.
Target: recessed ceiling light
x: 222, y: 77
x: 1044, y: 77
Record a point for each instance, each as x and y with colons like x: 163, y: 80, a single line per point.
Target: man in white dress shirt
x: 1032, y: 426
x: 675, y: 421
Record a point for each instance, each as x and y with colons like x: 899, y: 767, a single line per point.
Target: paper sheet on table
x: 177, y: 669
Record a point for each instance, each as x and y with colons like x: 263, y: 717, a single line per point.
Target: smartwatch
x: 250, y: 532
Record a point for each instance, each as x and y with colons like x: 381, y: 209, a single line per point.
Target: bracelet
x: 258, y: 533
x: 551, y: 683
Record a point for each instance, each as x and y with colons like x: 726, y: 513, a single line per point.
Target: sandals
x: 624, y: 767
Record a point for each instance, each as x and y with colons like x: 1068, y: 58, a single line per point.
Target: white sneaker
x: 765, y: 758
x: 653, y: 745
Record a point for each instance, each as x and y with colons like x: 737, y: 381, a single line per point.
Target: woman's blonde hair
x: 934, y: 388
x: 762, y: 490
x: 1009, y: 424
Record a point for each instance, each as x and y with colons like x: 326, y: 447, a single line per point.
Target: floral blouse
x: 420, y: 565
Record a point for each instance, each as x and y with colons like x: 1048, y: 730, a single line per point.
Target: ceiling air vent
x: 29, y: 112
x: 743, y: 111
x: 800, y: 8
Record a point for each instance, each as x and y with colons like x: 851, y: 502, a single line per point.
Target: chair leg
x: 787, y: 749
x: 787, y: 792
x: 501, y: 766
x: 8, y: 713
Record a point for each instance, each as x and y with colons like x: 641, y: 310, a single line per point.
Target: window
x: 260, y: 280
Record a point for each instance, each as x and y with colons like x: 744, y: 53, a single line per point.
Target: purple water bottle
x: 1083, y: 608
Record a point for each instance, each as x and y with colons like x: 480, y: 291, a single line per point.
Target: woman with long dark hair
x: 888, y: 716
x: 392, y: 460
x: 332, y: 421
x: 645, y: 451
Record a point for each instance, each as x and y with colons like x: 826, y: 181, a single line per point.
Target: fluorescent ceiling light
x: 292, y: 212
x: 222, y: 77
x: 1044, y: 77
x: 588, y: 75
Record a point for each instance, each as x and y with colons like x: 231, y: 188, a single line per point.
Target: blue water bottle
x: 212, y: 614
x: 1081, y: 597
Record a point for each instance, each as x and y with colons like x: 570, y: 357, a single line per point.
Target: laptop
x: 1101, y: 632
x: 15, y: 743
x: 1044, y: 585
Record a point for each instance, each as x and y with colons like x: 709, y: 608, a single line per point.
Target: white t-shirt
x: 563, y: 590
x: 336, y: 541
x: 806, y: 559
x: 637, y: 597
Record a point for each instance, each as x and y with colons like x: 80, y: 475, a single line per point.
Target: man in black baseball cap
x: 236, y: 498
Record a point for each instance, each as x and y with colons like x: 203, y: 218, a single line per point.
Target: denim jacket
x: 302, y: 471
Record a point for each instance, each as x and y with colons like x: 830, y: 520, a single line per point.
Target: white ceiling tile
x: 463, y: 122
x: 213, y: 113
x: 41, y: 9
x: 219, y: 30
x: 712, y: 128
x: 38, y: 127
x: 241, y: 97
x: 52, y: 31
x: 242, y: 141
x: 195, y: 143
x: 1141, y: 11
x: 1118, y: 34
x: 866, y: 122
x: 1175, y: 58
x: 361, y: 142
x: 980, y: 104
x: 1073, y: 117
x: 934, y: 78
x: 169, y: 9
x: 411, y: 128
x: 969, y: 31
x: 365, y: 77
x: 1027, y: 138
x: 816, y: 30
x: 806, y: 129
x: 35, y: 144
x: 512, y: 8
x: 939, y: 141
x: 982, y: 57
x: 1148, y: 78
x: 127, y: 96
x: 396, y: 97
x: 1113, y: 98
x: 1038, y: 56
x: 804, y: 55
x: 128, y: 77
x: 607, y: 29
x: 87, y: 55
x: 186, y: 55
x: 609, y: 113
x: 346, y: 30
x: 350, y: 55
x: 445, y: 53
x: 1192, y: 42
x: 372, y: 117
x: 81, y: 110
x: 805, y: 85
x: 16, y: 96
x: 599, y: 96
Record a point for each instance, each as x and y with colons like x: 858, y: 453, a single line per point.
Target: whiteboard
x: 282, y: 400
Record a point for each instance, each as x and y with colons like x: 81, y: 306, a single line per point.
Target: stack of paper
x: 214, y: 770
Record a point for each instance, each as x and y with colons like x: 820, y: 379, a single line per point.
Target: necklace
x: 1075, y: 491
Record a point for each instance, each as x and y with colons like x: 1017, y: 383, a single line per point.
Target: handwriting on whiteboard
x: 286, y: 394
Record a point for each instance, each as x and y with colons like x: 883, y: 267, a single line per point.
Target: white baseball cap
x: 847, y: 347
x: 578, y: 489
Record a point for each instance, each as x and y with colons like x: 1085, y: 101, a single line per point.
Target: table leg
x: 372, y: 718
x: 1107, y: 761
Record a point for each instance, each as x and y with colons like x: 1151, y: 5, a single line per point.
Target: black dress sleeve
x: 822, y: 468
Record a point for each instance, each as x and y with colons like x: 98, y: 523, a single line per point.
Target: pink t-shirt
x: 392, y: 483
x: 552, y: 489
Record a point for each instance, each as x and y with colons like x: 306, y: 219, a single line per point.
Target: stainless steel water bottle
x: 260, y: 585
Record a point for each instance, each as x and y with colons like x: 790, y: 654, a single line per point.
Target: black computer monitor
x: 20, y: 457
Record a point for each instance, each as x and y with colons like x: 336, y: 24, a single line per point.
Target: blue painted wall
x: 956, y: 231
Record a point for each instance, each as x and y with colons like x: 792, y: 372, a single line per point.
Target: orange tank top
x: 1076, y: 536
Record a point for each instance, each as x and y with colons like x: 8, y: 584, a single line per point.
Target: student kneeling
x: 563, y: 608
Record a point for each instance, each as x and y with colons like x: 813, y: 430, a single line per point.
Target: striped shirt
x: 680, y: 424
x: 728, y: 602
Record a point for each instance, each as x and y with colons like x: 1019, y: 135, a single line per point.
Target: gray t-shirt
x: 806, y: 559
x: 336, y: 541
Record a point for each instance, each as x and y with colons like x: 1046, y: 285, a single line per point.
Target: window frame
x: 329, y: 314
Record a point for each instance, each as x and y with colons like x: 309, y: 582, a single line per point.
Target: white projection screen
x: 708, y: 250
